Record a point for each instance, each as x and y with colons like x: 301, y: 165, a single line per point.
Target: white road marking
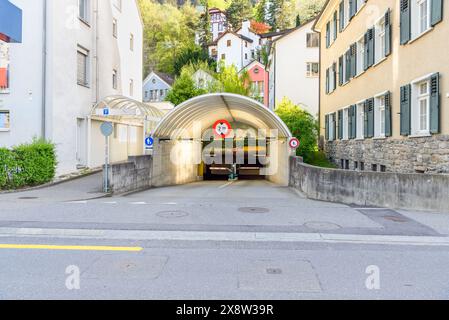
x: 138, y: 203
x: 226, y: 236
x: 110, y: 202
x: 77, y: 202
x: 226, y: 185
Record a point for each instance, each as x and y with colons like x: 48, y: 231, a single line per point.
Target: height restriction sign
x: 222, y: 128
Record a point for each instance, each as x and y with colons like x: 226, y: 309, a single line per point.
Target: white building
x: 294, y: 68
x: 237, y: 48
x: 218, y: 22
x: 203, y: 79
x: 74, y: 53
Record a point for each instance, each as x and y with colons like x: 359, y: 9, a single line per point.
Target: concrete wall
x: 278, y: 168
x: 133, y: 175
x: 175, y: 162
x: 395, y: 190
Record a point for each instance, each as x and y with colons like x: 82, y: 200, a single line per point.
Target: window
x: 313, y: 69
x: 331, y: 78
x: 313, y: 40
x: 220, y: 27
x: 332, y: 127
x: 131, y: 42
x: 114, y: 79
x: 118, y: 4
x: 223, y: 57
x: 82, y: 66
x: 380, y: 40
x: 424, y: 17
x: 114, y: 27
x: 228, y: 43
x: 362, y: 166
x: 83, y: 12
x: 4, y: 120
x: 374, y: 167
x: 423, y: 107
x: 131, y: 87
x: 379, y: 130
x: 152, y: 95
x: 360, y: 56
x: 161, y: 93
x: 246, y: 56
x: 360, y: 120
x: 345, y: 135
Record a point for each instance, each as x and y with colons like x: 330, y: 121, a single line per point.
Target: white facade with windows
x: 93, y: 50
x: 294, y: 68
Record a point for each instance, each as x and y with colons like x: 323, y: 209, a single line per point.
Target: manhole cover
x: 395, y: 218
x: 28, y: 198
x: 317, y: 225
x: 172, y: 214
x: 254, y: 210
x: 274, y: 271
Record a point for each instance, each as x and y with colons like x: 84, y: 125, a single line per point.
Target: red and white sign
x: 222, y: 128
x: 294, y: 143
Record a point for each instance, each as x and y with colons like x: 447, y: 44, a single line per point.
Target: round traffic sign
x: 149, y: 142
x: 222, y: 128
x: 294, y: 143
x: 107, y: 129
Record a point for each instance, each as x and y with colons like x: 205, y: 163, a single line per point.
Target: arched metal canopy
x: 207, y: 109
x: 121, y: 106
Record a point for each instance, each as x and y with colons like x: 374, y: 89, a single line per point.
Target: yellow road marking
x: 69, y: 248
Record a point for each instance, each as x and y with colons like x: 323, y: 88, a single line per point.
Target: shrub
x: 27, y: 165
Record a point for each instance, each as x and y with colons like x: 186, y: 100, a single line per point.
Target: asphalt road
x: 214, y: 240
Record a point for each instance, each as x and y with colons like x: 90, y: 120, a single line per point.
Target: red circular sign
x: 222, y: 128
x: 294, y: 143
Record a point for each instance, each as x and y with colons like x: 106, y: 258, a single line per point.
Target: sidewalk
x: 82, y: 188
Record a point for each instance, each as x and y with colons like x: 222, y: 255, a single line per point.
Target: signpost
x: 106, y: 129
x: 149, y: 142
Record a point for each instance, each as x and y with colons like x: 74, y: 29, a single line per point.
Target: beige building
x: 384, y: 84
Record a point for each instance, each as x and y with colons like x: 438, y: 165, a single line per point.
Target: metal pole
x: 106, y: 166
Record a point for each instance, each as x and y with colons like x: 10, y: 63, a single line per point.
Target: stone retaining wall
x: 410, y: 155
x: 393, y: 190
x: 133, y: 175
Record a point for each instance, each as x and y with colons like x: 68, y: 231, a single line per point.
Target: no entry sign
x: 294, y: 143
x: 222, y: 128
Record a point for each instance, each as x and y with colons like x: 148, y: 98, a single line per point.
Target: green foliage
x: 232, y: 81
x: 261, y: 11
x: 319, y: 159
x: 27, y: 165
x: 184, y: 88
x: 302, y: 125
x: 205, y: 35
x: 239, y: 11
x: 193, y: 55
x: 308, y: 9
x: 168, y: 30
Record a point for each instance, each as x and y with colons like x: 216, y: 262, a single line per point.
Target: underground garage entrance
x: 220, y: 136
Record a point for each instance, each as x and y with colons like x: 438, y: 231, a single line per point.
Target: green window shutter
x: 342, y: 16
x: 326, y: 126
x: 388, y: 33
x: 352, y: 122
x: 365, y: 58
x: 371, y: 47
x: 335, y: 24
x: 388, y: 117
x: 352, y: 8
x: 405, y: 110
x: 340, y: 124
x: 334, y: 127
x: 327, y: 81
x: 348, y: 65
x: 334, y: 74
x: 435, y: 103
x: 436, y: 12
x: 353, y: 61
x: 405, y: 21
x: 340, y: 70
x: 365, y: 119
x: 328, y: 34
x: 370, y: 117
x: 349, y: 128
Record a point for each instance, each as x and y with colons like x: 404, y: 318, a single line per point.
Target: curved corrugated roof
x: 135, y: 108
x: 207, y: 109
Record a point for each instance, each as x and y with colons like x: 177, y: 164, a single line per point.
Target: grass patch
x: 319, y: 159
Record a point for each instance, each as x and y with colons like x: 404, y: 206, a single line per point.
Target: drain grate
x: 254, y: 210
x: 274, y: 271
x: 172, y: 214
x: 27, y: 198
x: 395, y: 218
x: 318, y: 225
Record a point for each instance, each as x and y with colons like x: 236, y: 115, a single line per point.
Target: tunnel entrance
x: 188, y: 147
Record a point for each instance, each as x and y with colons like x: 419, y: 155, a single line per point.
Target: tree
x: 192, y: 55
x: 308, y: 9
x: 261, y: 11
x: 298, y: 21
x: 231, y: 81
x: 302, y: 125
x: 183, y: 88
x: 205, y: 36
x: 239, y: 11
